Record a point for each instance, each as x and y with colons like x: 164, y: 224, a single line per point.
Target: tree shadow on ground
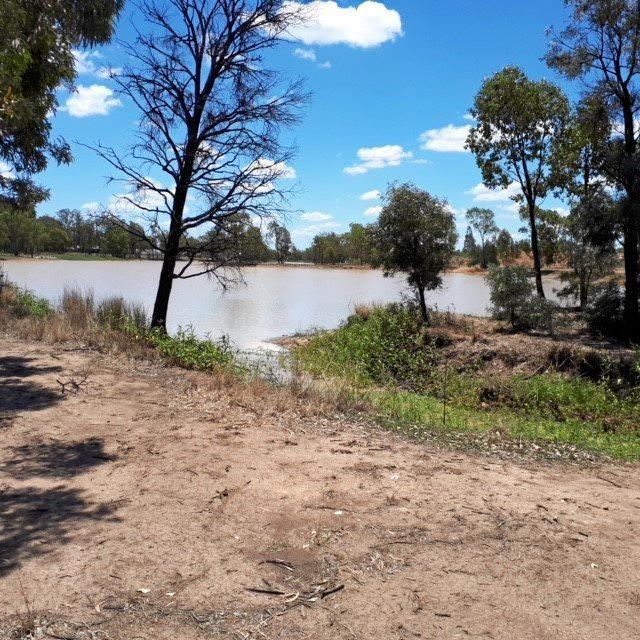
x: 19, y: 391
x: 35, y: 521
x: 54, y: 459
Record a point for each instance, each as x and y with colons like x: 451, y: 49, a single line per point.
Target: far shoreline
x: 460, y: 269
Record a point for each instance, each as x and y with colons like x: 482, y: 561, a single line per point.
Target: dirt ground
x: 151, y: 503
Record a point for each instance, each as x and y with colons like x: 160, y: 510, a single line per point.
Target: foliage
x: 506, y: 249
x: 516, y: 120
x: 513, y: 299
x: 385, y: 346
x: 24, y: 303
x: 414, y: 392
x: 511, y: 292
x: 604, y: 314
x: 281, y: 238
x: 36, y: 57
x: 588, y: 262
x: 601, y: 47
x: 483, y: 221
x: 417, y: 236
x: 187, y: 351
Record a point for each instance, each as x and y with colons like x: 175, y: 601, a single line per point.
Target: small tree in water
x: 208, y: 146
x: 417, y: 236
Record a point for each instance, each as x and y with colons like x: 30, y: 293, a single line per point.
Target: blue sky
x: 392, y: 82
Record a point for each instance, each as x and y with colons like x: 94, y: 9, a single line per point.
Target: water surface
x: 274, y: 301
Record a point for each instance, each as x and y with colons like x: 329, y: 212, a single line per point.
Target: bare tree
x: 211, y: 115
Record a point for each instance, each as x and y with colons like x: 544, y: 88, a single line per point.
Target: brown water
x: 274, y: 301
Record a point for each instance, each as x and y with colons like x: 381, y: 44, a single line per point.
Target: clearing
x: 149, y: 502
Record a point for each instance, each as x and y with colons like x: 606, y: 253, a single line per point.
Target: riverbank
x: 157, y: 503
x: 475, y: 380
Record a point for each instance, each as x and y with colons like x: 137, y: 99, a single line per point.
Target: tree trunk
x: 631, y: 311
x: 165, y: 283
x: 423, y: 305
x: 584, y: 295
x: 535, y: 248
x: 631, y: 231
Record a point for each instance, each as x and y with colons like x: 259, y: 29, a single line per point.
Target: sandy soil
x: 147, y: 503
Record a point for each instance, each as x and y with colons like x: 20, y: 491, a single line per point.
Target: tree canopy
x: 516, y: 119
x: 417, y: 236
x: 37, y: 41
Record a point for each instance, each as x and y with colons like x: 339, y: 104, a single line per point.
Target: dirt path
x: 153, y: 479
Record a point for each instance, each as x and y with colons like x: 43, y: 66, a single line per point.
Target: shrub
x: 187, y: 351
x: 604, y: 314
x: 513, y: 298
x: 388, y: 345
x: 26, y: 304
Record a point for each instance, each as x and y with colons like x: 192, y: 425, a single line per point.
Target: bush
x: 187, y: 351
x: 604, y: 314
x: 511, y: 291
x: 386, y: 345
x: 25, y: 304
x: 513, y: 298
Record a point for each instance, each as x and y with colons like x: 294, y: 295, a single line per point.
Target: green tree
x: 470, y: 246
x: 601, y: 47
x: 483, y: 221
x: 516, y: 120
x: 506, y: 248
x: 37, y: 38
x: 281, y: 239
x: 417, y: 236
x: 588, y: 262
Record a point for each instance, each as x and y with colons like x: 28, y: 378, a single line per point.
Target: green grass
x: 393, y: 366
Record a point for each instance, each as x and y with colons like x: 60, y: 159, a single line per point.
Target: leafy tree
x: 601, y: 46
x: 549, y: 228
x: 281, y: 238
x: 211, y: 111
x: 82, y: 231
x: 588, y: 262
x: 511, y: 291
x: 516, y: 120
x: 417, y: 236
x: 506, y: 248
x: 470, y: 246
x: 328, y: 248
x: 37, y: 38
x: 483, y: 221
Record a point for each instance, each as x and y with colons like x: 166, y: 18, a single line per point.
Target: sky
x: 392, y: 82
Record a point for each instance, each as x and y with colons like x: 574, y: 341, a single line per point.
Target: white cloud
x: 86, y: 65
x: 378, y: 158
x: 368, y: 25
x: 6, y: 171
x: 371, y: 195
x: 85, y: 61
x: 96, y: 100
x: 305, y: 54
x: 481, y: 193
x: 325, y: 65
x: 316, y: 216
x: 273, y: 170
x: 447, y: 139
x: 373, y: 212
x: 315, y: 229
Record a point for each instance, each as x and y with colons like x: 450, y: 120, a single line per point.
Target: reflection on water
x: 274, y: 301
